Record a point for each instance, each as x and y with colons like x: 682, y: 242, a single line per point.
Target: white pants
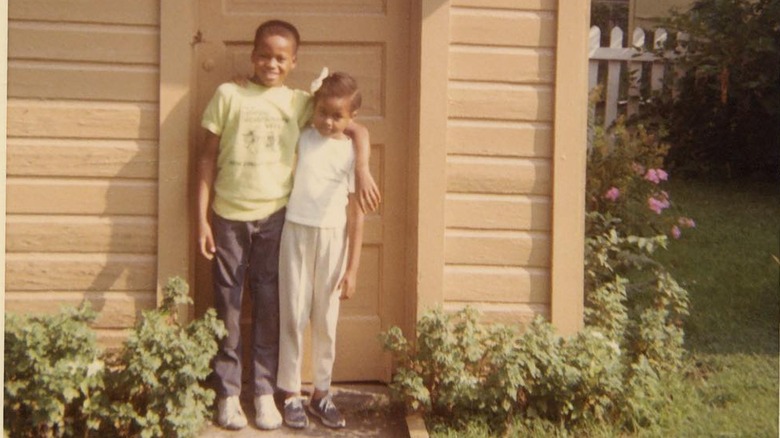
x: 311, y: 263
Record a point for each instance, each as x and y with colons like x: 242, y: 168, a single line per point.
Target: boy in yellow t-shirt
x: 247, y: 158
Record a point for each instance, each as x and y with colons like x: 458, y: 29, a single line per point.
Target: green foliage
x: 631, y: 297
x: 53, y: 374
x: 155, y: 391
x: 457, y: 369
x: 571, y: 379
x: 56, y: 383
x: 460, y: 372
x: 724, y: 117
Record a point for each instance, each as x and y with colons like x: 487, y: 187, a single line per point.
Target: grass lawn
x: 732, y: 333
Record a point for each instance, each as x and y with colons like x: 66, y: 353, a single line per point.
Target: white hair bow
x: 317, y: 83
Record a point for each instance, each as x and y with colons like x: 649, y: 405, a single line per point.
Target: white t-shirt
x: 324, y: 177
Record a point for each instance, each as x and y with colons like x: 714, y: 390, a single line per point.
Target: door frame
x: 175, y: 247
x: 178, y: 135
x: 428, y: 76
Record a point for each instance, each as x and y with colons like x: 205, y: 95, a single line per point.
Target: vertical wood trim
x: 177, y: 26
x: 3, y: 135
x: 570, y: 136
x: 432, y: 153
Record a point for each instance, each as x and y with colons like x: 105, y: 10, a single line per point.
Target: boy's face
x: 273, y: 59
x: 332, y: 116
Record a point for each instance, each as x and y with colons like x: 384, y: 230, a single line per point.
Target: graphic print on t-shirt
x: 260, y: 127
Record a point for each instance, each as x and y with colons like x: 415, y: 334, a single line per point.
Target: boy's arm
x: 355, y: 241
x: 207, y: 164
x: 366, y: 188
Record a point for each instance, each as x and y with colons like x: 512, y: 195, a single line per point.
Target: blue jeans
x: 247, y: 250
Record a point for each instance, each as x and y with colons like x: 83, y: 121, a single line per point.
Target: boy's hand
x: 206, y: 241
x: 368, y: 192
x: 347, y: 285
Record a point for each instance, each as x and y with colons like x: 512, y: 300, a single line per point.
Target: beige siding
x: 82, y: 158
x: 499, y: 146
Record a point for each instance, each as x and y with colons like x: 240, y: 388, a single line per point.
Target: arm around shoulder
x: 367, y: 190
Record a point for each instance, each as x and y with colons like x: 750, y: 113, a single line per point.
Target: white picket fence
x: 616, y: 57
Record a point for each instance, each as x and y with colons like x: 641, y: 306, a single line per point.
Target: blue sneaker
x: 327, y: 412
x: 294, y: 414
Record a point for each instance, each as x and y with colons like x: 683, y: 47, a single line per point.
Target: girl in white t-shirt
x: 320, y: 249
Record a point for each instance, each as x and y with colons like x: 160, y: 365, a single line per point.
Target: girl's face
x: 332, y: 116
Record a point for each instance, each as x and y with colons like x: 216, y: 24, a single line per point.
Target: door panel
x: 370, y: 40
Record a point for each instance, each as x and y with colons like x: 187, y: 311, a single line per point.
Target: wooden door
x: 370, y: 40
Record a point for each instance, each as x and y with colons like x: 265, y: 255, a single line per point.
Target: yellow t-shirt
x: 258, y: 129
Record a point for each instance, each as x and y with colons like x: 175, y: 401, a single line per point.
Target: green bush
x: 458, y: 369
x: 499, y: 374
x: 58, y: 383
x: 631, y: 297
x: 53, y: 374
x: 154, y: 389
x: 460, y: 372
x: 724, y: 117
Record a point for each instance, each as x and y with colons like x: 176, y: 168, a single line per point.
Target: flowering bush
x: 626, y: 176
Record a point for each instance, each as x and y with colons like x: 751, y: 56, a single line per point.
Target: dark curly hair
x: 340, y: 84
x: 280, y: 28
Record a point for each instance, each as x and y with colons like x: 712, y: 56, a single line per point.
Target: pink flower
x: 676, y: 232
x: 612, y: 194
x: 657, y: 205
x: 686, y: 222
x: 652, y: 176
x: 637, y: 168
x: 655, y: 176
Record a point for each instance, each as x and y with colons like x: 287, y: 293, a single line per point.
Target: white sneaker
x: 267, y: 416
x: 229, y: 413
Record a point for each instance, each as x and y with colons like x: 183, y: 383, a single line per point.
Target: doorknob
x: 209, y: 64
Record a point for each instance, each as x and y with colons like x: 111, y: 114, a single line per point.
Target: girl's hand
x: 347, y: 285
x: 368, y: 192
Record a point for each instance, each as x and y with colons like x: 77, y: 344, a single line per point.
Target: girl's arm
x: 355, y: 241
x: 366, y: 188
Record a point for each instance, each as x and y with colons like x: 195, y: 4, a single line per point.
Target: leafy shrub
x: 631, y: 297
x: 457, y: 369
x: 53, y: 374
x: 154, y: 390
x: 724, y: 118
x: 58, y: 383
x: 573, y: 379
x: 500, y: 374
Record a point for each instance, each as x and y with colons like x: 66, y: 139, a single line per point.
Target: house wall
x: 495, y: 192
x: 499, y: 204
x: 499, y: 145
x: 82, y: 158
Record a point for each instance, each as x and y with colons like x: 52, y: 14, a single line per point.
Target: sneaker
x: 294, y: 414
x: 267, y: 417
x: 229, y: 413
x: 327, y: 412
